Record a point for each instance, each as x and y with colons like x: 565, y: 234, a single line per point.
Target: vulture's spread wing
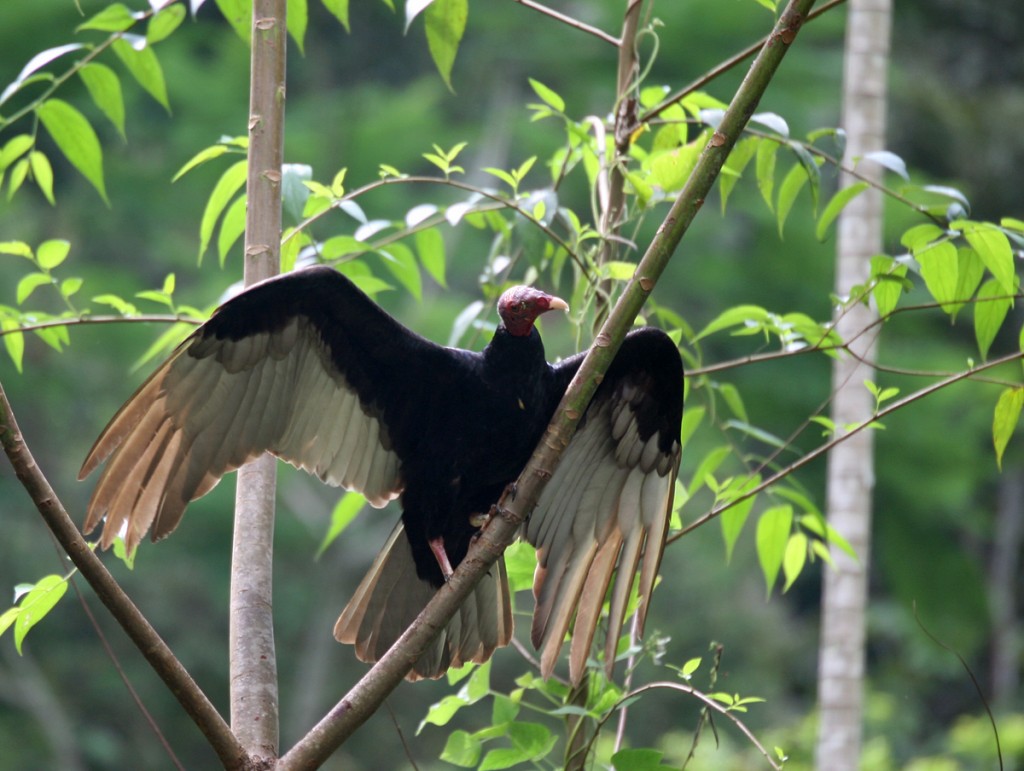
x: 608, y: 502
x: 303, y: 365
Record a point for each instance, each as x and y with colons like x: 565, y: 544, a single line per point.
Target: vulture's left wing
x: 303, y: 365
x: 608, y: 502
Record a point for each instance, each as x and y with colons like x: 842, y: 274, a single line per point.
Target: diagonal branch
x: 124, y: 611
x: 361, y: 701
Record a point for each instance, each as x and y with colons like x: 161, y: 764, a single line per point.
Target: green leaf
x: 548, y: 96
x: 1004, y: 421
x: 733, y: 519
x: 794, y: 559
x: 345, y: 510
x: 7, y: 618
x: 239, y: 15
x: 638, y: 760
x: 731, y: 317
x: 993, y: 247
x: 940, y: 268
x: 42, y: 173
x: 29, y: 283
x: 36, y: 604
x: 14, y: 148
x: 231, y: 228
x: 920, y: 235
x: 890, y: 278
x: 164, y: 22
x: 461, y: 749
x: 18, y: 175
x: 990, y: 311
x: 520, y: 564
x: 230, y: 182
x: 708, y: 465
x: 445, y: 24
x: 17, y: 248
x: 14, y: 341
x: 773, y: 531
x: 204, y: 155
x: 114, y: 18
x: 791, y: 186
x: 52, y: 253
x: 766, y: 152
x: 339, y: 8
x: 144, y: 67
x: 430, y: 247
x: 70, y: 286
x: 74, y: 136
x: 399, y: 260
x: 670, y: 169
x: 297, y: 16
x: 835, y: 205
x: 737, y: 161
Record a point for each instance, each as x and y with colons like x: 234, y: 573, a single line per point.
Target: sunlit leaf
x: 835, y: 205
x: 430, y: 248
x: 339, y: 8
x: 227, y: 186
x: 766, y: 152
x: 547, y: 95
x: 74, y: 136
x: 163, y: 24
x: 14, y: 341
x: 28, y: 283
x: 114, y: 18
x: 794, y: 559
x: 36, y: 604
x: 297, y: 15
x: 1004, y: 421
x: 399, y: 260
x: 14, y: 148
x: 773, y: 531
x: 445, y: 24
x: 42, y: 173
x: 345, y: 510
x: 144, y: 67
x: 993, y: 247
x: 104, y: 88
x: 990, y: 311
x: 940, y: 269
x: 238, y: 14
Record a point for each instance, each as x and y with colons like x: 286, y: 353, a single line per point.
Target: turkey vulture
x: 307, y: 367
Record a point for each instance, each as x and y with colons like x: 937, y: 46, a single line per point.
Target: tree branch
x: 124, y: 611
x: 349, y: 713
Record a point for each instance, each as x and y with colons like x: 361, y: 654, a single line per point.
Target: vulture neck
x: 514, y: 356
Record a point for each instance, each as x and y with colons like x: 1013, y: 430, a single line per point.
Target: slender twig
x: 160, y: 318
x: 710, y: 703
x: 733, y: 61
x: 110, y: 593
x: 569, y: 20
x: 819, y: 451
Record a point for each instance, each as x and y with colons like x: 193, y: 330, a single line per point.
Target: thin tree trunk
x: 850, y: 465
x: 1002, y: 589
x: 253, y: 662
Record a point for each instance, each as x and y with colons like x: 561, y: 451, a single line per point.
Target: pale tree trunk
x: 253, y: 663
x: 1004, y: 567
x: 850, y: 465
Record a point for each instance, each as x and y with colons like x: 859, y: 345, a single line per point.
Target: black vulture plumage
x: 307, y: 367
